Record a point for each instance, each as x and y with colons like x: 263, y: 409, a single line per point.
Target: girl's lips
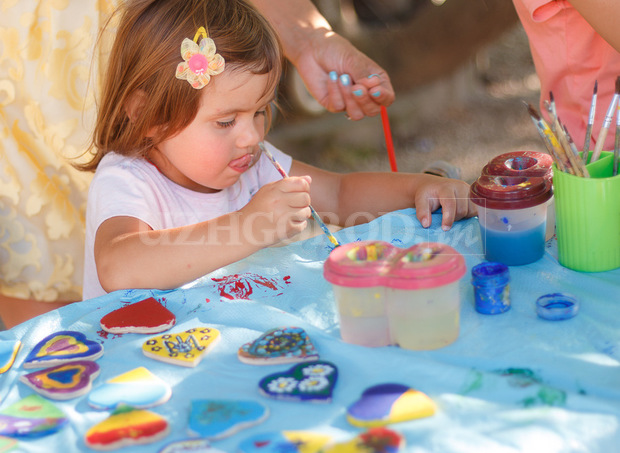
x: 241, y: 164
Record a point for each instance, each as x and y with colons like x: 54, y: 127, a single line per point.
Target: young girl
x: 181, y: 188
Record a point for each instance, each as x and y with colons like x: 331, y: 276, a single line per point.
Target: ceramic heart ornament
x: 63, y: 382
x: 184, y: 348
x: 313, y: 381
x: 389, y: 403
x: 138, y: 388
x: 8, y: 352
x: 62, y: 347
x: 31, y: 417
x: 7, y: 444
x: 190, y: 446
x: 284, y: 441
x: 215, y: 419
x: 280, y: 345
x: 375, y: 440
x: 126, y: 428
x: 146, y: 316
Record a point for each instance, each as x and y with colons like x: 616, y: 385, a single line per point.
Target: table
x: 511, y: 382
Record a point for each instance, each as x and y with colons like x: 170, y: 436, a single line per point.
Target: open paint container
x: 389, y: 295
x: 512, y: 211
x: 527, y: 164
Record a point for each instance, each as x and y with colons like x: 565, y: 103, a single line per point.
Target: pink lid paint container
x: 389, y: 295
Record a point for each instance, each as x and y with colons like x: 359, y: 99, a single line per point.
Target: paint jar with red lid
x: 528, y: 164
x: 512, y: 211
x: 520, y: 163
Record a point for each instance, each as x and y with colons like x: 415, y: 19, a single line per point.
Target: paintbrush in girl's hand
x: 600, y: 141
x: 278, y: 167
x: 586, y: 142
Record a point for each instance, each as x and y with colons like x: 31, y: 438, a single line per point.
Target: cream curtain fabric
x: 46, y: 116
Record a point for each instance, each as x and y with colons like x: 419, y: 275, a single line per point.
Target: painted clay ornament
x: 216, y: 419
x: 184, y: 348
x: 7, y: 444
x: 389, y: 403
x: 31, y: 417
x: 138, y: 389
x: 63, y: 382
x: 314, y: 381
x: 375, y: 440
x: 190, y: 446
x: 8, y: 352
x: 280, y: 345
x: 285, y: 441
x: 125, y: 428
x: 147, y: 317
x: 62, y: 347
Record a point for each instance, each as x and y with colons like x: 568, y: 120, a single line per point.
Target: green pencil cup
x: 588, y: 217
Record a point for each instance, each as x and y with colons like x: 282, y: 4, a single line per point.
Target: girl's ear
x: 135, y: 104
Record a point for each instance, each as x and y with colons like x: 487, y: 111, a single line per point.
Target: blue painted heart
x: 215, y: 419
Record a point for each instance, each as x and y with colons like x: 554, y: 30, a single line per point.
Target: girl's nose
x: 252, y: 134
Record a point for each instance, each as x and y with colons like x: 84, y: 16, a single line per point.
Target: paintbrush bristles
x: 600, y: 141
x: 559, y: 143
x: 588, y: 138
x: 549, y: 139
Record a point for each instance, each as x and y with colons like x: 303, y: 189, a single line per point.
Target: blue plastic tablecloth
x: 510, y: 383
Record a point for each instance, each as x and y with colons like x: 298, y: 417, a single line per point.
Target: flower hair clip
x: 200, y: 61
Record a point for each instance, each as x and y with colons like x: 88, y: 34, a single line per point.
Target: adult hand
x: 342, y: 78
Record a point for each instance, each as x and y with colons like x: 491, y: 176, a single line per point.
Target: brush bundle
x: 561, y: 146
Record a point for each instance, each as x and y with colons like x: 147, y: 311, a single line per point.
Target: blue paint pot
x: 491, y: 288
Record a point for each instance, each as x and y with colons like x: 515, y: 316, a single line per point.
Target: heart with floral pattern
x: 313, y: 381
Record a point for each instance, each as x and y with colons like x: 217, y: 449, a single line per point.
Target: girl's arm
x: 346, y: 199
x: 129, y: 254
x: 603, y: 16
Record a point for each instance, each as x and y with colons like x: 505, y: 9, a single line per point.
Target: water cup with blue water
x: 512, y: 211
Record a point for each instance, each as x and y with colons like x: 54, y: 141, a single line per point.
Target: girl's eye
x: 261, y: 113
x: 225, y: 124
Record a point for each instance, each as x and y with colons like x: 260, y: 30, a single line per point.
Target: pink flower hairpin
x: 200, y: 61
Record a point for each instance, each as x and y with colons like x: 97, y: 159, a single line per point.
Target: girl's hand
x: 451, y: 195
x: 278, y: 211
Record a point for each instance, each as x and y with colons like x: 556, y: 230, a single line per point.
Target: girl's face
x: 213, y: 151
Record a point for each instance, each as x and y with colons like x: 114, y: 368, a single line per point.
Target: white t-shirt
x: 133, y: 187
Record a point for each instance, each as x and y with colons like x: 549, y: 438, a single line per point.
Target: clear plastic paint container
x: 491, y: 282
x: 423, y: 296
x: 388, y: 295
x: 512, y: 212
x: 528, y: 164
x: 356, y: 272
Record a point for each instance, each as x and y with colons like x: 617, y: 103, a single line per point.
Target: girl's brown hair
x: 143, y: 61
